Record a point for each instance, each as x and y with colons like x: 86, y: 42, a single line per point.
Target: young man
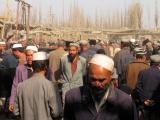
x: 73, y: 69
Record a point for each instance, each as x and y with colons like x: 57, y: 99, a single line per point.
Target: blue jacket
x: 79, y: 105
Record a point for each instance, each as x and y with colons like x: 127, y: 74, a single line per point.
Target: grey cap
x: 74, y: 44
x: 155, y: 58
x: 60, y: 43
x: 55, y: 42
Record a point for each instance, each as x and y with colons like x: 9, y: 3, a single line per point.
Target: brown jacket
x: 132, y: 72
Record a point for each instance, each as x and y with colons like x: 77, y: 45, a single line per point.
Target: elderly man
x: 73, y: 69
x: 23, y: 72
x: 37, y: 99
x: 98, y: 100
x: 148, y: 90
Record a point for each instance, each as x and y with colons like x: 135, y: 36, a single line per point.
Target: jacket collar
x: 88, y: 101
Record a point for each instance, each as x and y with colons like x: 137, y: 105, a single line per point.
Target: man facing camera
x: 98, y: 100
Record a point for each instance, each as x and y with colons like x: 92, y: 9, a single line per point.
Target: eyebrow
x: 98, y: 78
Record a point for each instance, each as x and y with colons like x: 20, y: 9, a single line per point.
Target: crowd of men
x: 85, y: 80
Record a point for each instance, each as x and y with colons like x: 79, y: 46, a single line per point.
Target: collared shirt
x: 30, y: 71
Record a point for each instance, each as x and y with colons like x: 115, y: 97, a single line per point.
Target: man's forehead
x: 98, y: 76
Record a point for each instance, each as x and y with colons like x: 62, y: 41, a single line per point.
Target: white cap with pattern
x: 39, y: 56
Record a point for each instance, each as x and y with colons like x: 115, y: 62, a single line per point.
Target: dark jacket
x: 80, y: 106
x: 148, y: 85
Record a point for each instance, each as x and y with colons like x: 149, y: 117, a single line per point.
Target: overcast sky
x: 103, y: 7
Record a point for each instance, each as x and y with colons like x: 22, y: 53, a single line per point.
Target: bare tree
x: 156, y: 17
x: 135, y: 16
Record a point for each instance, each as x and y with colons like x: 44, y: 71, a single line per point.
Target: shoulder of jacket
x: 82, y: 58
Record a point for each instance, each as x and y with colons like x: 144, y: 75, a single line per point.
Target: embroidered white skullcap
x: 31, y: 47
x: 17, y: 45
x: 2, y: 43
x: 39, y: 56
x: 132, y: 40
x: 103, y: 61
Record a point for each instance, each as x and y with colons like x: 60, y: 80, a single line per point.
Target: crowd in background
x: 41, y: 83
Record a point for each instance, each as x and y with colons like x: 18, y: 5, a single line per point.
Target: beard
x: 72, y: 57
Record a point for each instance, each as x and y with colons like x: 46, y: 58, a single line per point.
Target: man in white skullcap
x: 23, y: 72
x: 97, y: 99
x: 37, y: 98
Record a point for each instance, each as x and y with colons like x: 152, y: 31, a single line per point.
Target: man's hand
x: 11, y: 107
x: 149, y: 102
